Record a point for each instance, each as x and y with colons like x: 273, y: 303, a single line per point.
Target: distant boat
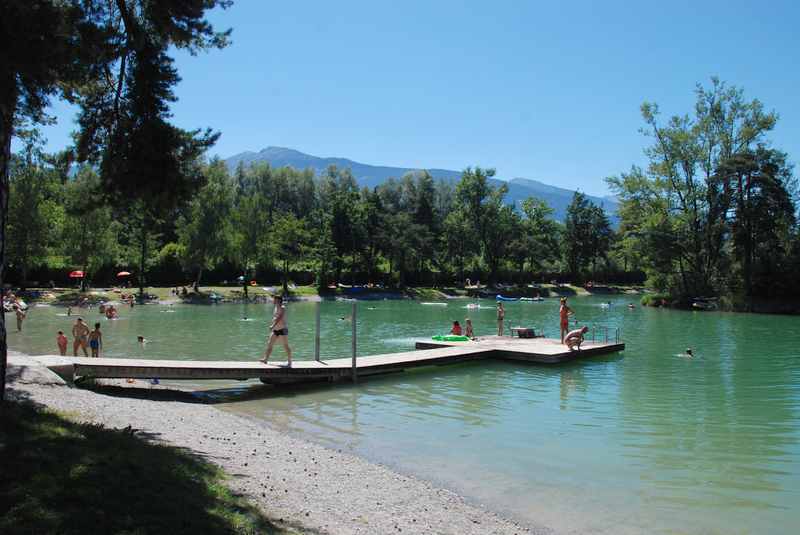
x: 434, y: 304
x: 502, y: 298
x: 531, y: 299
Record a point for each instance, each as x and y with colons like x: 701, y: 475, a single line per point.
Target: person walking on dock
x: 279, y: 332
x: 564, y: 313
x: 501, y: 315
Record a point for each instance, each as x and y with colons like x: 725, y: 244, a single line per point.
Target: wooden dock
x: 538, y: 350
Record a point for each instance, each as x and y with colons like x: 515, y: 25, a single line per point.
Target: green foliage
x: 91, y: 232
x: 35, y: 214
x: 713, y: 212
x: 587, y: 235
x: 204, y: 232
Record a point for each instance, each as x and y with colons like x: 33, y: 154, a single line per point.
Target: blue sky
x: 543, y: 90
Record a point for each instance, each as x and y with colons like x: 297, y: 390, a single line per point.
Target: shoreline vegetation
x: 233, y: 294
x: 207, y: 471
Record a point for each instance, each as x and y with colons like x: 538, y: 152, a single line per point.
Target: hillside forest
x: 712, y: 213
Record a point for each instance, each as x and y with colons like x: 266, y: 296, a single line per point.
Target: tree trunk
x: 197, y: 280
x: 285, y: 277
x: 142, y: 260
x: 8, y: 105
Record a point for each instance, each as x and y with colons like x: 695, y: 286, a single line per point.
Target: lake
x: 646, y: 440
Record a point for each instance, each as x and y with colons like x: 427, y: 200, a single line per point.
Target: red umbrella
x: 124, y: 274
x: 76, y: 274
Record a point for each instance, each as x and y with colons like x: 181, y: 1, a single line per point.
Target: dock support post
x: 353, y: 321
x: 316, y: 335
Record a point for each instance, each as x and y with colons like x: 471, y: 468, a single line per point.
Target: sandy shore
x: 304, y: 485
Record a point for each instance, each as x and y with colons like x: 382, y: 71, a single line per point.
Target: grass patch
x: 60, y: 476
x: 656, y: 300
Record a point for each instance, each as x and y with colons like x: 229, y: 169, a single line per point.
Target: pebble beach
x: 303, y: 485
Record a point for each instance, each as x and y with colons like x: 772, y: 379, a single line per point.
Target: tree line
x: 714, y: 212
x: 266, y: 222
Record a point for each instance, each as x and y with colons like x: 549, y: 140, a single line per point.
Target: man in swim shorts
x: 96, y: 340
x: 575, y: 338
x: 80, y: 335
x: 279, y: 332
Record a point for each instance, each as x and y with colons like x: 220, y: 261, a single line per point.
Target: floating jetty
x: 429, y: 353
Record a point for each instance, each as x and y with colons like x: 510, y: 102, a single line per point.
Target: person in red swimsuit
x: 564, y: 313
x: 456, y: 330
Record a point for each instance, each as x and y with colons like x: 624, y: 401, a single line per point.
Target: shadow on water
x: 256, y: 392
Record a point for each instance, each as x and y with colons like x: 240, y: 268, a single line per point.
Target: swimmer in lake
x: 689, y: 352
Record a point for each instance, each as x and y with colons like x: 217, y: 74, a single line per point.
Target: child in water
x: 61, y: 340
x: 96, y: 340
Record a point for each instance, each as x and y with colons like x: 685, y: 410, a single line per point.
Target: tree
x: 90, y: 231
x: 142, y: 240
x: 763, y: 214
x: 204, y: 232
x: 290, y: 242
x: 577, y: 234
x: 483, y: 207
x: 541, y: 233
x: 36, y: 212
x: 587, y: 235
x: 676, y: 212
x: 249, y: 221
x: 111, y: 58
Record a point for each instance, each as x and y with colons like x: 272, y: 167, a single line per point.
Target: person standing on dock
x: 501, y: 315
x: 564, y: 313
x: 279, y: 332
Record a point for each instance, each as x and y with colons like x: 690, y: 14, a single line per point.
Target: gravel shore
x: 309, y: 487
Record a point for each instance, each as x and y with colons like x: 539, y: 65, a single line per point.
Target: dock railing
x: 603, y: 333
x: 354, y: 341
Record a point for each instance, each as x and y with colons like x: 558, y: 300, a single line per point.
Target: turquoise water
x: 643, y: 441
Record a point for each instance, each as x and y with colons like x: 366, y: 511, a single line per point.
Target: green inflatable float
x: 450, y: 338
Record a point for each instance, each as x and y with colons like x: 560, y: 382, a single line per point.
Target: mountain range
x: 370, y: 176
